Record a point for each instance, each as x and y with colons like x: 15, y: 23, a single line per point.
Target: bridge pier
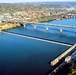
x: 24, y: 25
x: 34, y: 26
x: 61, y: 31
x: 47, y: 29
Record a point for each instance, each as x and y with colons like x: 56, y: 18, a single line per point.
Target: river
x: 26, y: 56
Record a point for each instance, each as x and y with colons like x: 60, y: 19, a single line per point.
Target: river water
x: 26, y: 56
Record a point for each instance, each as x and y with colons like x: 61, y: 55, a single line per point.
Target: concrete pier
x: 34, y: 27
x: 60, y: 30
x: 55, y: 61
x: 24, y: 25
x: 47, y: 28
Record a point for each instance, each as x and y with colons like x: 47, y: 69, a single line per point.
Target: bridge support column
x: 61, y: 31
x: 47, y: 28
x: 24, y: 25
x: 34, y: 27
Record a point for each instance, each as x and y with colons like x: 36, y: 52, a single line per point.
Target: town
x: 36, y: 12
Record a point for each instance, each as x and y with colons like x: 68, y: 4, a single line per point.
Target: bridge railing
x: 47, y: 24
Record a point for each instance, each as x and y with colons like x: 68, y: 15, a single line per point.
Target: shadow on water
x: 63, y: 71
x: 53, y: 33
x: 39, y: 37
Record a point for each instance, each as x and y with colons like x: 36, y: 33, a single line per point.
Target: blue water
x: 71, y: 22
x: 53, y: 33
x: 25, y: 56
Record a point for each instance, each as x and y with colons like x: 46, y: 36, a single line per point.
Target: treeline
x: 14, y: 7
x: 42, y: 19
x: 5, y: 26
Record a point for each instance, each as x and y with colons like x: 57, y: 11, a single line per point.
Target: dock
x: 55, y: 61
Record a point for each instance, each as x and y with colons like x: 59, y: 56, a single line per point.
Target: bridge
x: 70, y: 15
x: 55, y: 61
x: 24, y: 23
x: 47, y: 24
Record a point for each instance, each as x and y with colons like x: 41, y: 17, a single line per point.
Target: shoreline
x: 5, y: 26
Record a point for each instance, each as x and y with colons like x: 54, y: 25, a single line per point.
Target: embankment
x: 5, y: 26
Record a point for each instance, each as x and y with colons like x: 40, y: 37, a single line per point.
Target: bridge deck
x: 55, y: 61
x: 43, y: 24
x: 47, y: 24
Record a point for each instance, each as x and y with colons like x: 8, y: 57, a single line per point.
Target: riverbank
x: 5, y: 26
x: 42, y: 19
x: 47, y: 19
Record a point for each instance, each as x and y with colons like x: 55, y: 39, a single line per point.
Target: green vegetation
x: 45, y: 19
x: 15, y: 7
x: 5, y: 26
